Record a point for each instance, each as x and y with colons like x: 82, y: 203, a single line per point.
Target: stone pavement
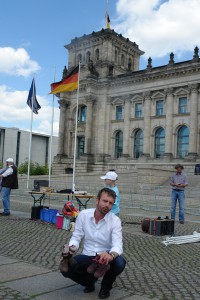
x: 30, y: 251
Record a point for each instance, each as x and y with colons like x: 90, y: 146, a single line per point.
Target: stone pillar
x: 126, y: 131
x: 193, y: 122
x: 62, y: 121
x: 169, y: 123
x: 67, y: 140
x: 147, y: 124
x: 88, y: 130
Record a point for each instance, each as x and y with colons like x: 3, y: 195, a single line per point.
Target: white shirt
x: 8, y: 171
x: 104, y: 236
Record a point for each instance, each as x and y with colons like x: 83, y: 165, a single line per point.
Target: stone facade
x: 127, y: 115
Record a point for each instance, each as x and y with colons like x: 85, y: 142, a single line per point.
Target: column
x: 88, y: 130
x: 147, y: 124
x: 67, y: 139
x: 193, y: 122
x: 126, y: 131
x: 62, y: 121
x: 169, y: 123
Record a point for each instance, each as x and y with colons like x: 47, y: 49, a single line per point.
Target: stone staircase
x: 145, y: 188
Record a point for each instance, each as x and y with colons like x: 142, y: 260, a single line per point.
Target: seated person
x: 101, y: 233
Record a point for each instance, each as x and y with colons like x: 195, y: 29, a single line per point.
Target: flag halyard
x: 32, y: 100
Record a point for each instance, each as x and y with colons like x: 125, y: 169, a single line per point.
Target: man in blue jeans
x: 101, y: 232
x: 9, y: 179
x: 178, y: 182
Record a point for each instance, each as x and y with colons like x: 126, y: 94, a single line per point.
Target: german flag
x: 69, y: 84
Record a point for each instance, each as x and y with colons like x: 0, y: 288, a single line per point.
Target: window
x: 182, y: 109
x: 159, y: 108
x: 97, y: 54
x: 80, y: 57
x: 138, y: 143
x: 82, y: 113
x: 159, y: 142
x: 118, y: 144
x: 81, y: 145
x: 119, y: 112
x: 18, y: 148
x: 129, y: 64
x: 182, y: 142
x: 116, y: 54
x: 123, y: 60
x: 88, y: 57
x: 138, y: 110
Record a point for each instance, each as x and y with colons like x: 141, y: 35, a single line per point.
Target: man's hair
x: 110, y: 193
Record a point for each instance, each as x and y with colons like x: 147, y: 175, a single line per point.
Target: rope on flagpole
x: 30, y: 138
x: 51, y: 138
x: 75, y: 137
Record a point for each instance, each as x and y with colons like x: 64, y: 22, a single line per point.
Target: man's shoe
x: 101, y: 270
x: 104, y: 293
x: 89, y: 289
x: 92, y: 268
x: 4, y: 214
x: 181, y: 222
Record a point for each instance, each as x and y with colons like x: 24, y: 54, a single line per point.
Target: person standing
x: 101, y: 232
x: 178, y: 182
x: 9, y: 181
x: 110, y: 180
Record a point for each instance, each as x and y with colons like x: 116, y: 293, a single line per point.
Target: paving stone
x: 153, y: 270
x: 44, y: 283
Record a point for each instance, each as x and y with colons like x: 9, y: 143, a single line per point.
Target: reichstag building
x: 126, y: 115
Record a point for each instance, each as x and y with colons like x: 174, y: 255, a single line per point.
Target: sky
x: 34, y: 32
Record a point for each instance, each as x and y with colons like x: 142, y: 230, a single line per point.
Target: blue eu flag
x: 32, y: 100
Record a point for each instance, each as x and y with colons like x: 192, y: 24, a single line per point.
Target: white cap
x: 110, y: 175
x: 10, y: 160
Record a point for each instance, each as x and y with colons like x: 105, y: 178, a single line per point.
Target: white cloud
x: 17, y: 62
x: 160, y: 27
x: 16, y: 113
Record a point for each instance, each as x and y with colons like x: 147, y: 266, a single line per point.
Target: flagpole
x: 75, y: 137
x: 30, y: 138
x: 51, y: 138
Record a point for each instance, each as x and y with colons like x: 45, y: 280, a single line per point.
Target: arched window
x: 123, y: 60
x: 118, y: 144
x: 138, y: 143
x: 183, y: 142
x: 80, y: 57
x: 97, y: 54
x: 159, y: 142
x: 129, y: 64
x: 82, y: 113
x: 88, y: 57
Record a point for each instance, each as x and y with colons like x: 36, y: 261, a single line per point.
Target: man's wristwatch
x: 112, y: 254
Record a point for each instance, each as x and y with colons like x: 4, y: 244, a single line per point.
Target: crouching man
x: 101, y: 233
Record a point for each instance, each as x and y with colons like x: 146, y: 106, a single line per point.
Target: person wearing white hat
x: 110, y: 179
x: 9, y: 181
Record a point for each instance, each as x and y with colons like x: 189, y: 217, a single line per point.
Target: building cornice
x: 158, y: 73
x: 102, y: 35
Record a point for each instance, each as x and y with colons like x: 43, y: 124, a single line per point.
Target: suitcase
x: 158, y: 226
x: 161, y: 227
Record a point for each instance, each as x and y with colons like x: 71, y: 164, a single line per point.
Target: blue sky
x: 35, y: 32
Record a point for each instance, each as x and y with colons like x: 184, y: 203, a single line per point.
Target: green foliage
x: 1, y: 164
x: 35, y: 169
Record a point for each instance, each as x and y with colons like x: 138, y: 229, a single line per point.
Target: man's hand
x: 105, y: 258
